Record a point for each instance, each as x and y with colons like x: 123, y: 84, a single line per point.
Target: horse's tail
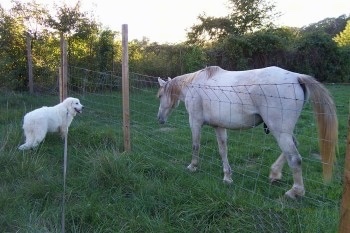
x: 325, y: 113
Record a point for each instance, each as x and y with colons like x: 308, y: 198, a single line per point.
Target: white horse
x: 244, y: 99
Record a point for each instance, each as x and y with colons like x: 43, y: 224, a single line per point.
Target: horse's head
x: 167, y: 98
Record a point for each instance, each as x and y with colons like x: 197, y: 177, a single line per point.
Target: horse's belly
x: 234, y: 121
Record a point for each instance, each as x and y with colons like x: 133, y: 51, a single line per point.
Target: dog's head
x: 73, y: 105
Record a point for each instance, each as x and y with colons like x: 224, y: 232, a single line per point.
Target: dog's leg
x: 27, y: 145
x: 63, y: 131
x: 29, y: 140
x: 40, y: 134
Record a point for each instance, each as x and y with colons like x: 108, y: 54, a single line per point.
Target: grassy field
x: 149, y: 189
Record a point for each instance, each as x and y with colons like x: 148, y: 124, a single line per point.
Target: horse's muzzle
x: 161, y: 120
x: 162, y: 116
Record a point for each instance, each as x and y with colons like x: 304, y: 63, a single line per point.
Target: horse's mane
x: 207, y: 72
x: 210, y: 71
x: 174, y: 87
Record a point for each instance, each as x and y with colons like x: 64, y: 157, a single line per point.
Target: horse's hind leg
x: 221, y: 136
x: 289, y: 150
x: 276, y: 168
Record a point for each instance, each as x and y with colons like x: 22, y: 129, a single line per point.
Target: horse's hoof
x: 274, y: 180
x: 295, y: 192
x: 290, y: 194
x: 275, y: 177
x: 227, y: 180
x: 192, y: 168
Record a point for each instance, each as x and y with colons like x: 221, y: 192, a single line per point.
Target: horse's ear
x: 161, y: 82
x: 169, y: 79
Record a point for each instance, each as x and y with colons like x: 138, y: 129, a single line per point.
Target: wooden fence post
x: 63, y: 72
x: 30, y: 62
x: 125, y: 89
x: 344, y: 226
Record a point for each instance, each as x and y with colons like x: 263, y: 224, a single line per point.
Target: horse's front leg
x: 221, y: 136
x: 196, y: 131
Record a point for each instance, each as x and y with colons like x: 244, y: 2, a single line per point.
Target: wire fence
x: 251, y: 152
x: 261, y: 205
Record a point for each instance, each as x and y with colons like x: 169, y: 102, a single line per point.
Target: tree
x: 73, y: 24
x: 32, y: 16
x: 246, y: 16
x: 271, y: 47
x: 83, y: 45
x: 254, y: 50
x: 251, y: 15
x: 67, y: 19
x: 331, y: 26
x: 317, y: 54
x: 106, y: 50
x: 12, y: 55
x: 210, y: 29
x: 343, y: 41
x: 343, y: 38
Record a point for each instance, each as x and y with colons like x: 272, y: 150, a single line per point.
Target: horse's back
x: 271, y: 74
x: 237, y: 99
x: 269, y: 81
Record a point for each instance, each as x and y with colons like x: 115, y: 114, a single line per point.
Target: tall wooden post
x: 344, y: 226
x: 125, y: 89
x: 63, y: 72
x: 30, y: 62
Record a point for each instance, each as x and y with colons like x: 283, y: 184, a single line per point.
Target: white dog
x: 49, y: 119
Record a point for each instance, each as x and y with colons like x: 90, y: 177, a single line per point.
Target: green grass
x: 149, y: 189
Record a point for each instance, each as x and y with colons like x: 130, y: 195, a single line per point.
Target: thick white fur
x: 57, y: 118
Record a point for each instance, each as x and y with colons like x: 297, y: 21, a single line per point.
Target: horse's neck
x: 182, y: 87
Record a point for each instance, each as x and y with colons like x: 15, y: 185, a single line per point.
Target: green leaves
x: 246, y: 16
x: 343, y: 38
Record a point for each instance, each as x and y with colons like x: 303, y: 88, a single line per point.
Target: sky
x: 166, y: 21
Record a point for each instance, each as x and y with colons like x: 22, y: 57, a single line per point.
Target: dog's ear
x: 72, y: 101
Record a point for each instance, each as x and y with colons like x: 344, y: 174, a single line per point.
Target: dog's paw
x: 23, y: 147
